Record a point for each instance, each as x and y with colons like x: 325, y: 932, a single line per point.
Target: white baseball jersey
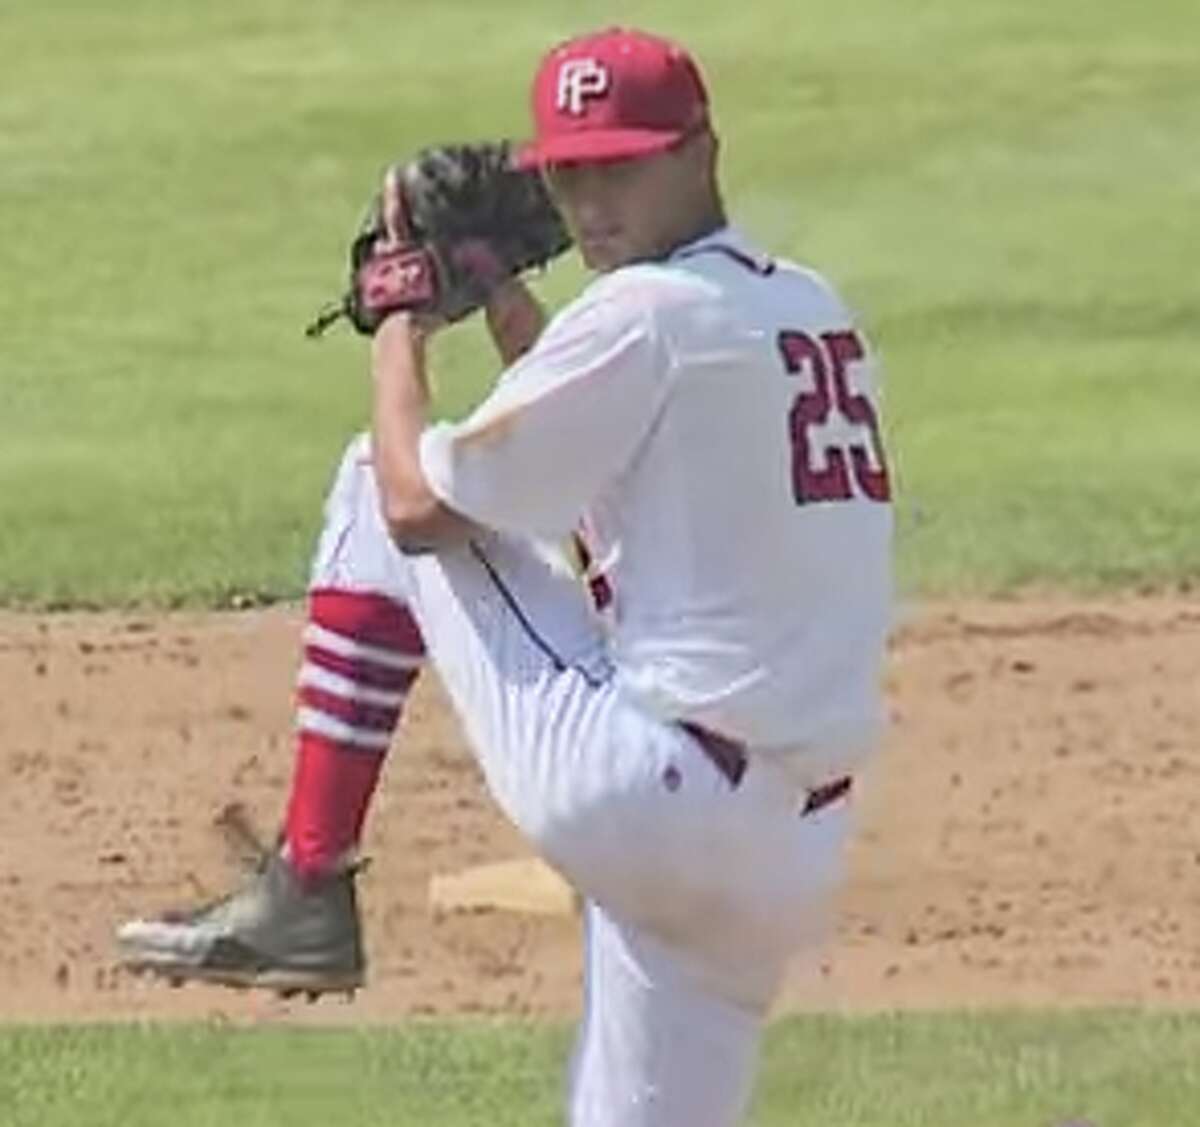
x: 713, y: 420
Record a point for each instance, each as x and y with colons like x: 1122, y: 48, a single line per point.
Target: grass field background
x: 1006, y: 190
x: 1001, y: 1070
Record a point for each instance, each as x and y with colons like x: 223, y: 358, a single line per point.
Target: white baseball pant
x: 698, y: 893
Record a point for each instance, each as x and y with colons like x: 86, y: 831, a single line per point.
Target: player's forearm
x: 415, y: 517
x: 515, y: 319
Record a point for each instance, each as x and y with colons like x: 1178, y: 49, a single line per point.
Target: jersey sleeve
x: 561, y: 424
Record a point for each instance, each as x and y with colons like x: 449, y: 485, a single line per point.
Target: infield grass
x: 1014, y: 1070
x: 1007, y: 190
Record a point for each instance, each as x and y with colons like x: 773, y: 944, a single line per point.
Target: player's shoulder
x: 711, y: 274
x: 638, y: 298
x: 817, y: 291
x: 730, y: 264
x: 649, y: 287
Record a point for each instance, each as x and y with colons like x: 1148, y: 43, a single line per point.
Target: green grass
x: 1116, y: 1069
x: 1008, y: 191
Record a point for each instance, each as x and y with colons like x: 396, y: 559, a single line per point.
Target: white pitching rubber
x: 527, y: 886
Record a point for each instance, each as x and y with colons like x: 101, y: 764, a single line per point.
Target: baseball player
x: 707, y: 415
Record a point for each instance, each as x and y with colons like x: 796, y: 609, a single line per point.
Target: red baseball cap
x: 613, y: 94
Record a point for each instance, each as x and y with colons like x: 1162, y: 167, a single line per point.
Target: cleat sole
x: 287, y: 984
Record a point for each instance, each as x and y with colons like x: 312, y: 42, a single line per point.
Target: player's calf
x: 362, y: 653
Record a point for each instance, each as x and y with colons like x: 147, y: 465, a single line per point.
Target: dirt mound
x: 1029, y: 835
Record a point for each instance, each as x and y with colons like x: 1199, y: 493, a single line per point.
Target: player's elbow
x: 418, y: 522
x: 409, y: 521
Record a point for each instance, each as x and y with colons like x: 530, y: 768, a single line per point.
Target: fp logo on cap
x: 579, y: 79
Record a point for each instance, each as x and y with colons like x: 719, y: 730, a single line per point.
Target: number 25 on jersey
x: 835, y: 471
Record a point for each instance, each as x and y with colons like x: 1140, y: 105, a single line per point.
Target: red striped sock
x: 362, y: 652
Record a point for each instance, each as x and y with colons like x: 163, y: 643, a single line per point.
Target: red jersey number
x: 844, y: 470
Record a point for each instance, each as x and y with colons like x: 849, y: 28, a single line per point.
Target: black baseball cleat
x: 280, y: 932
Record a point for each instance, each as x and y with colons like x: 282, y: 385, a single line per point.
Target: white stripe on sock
x: 316, y: 635
x: 318, y: 678
x: 322, y: 724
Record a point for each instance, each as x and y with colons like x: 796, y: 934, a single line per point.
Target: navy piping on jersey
x: 762, y: 269
x: 557, y: 662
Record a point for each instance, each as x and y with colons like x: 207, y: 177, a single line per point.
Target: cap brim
x: 596, y: 145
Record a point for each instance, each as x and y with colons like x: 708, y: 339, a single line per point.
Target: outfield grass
x: 1007, y: 190
x: 1014, y: 1070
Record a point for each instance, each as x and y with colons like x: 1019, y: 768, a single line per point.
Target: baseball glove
x: 450, y: 225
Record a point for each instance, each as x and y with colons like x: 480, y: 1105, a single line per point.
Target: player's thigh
x: 354, y: 551
x: 525, y: 666
x: 660, y: 836
x: 657, y: 1047
x: 790, y: 890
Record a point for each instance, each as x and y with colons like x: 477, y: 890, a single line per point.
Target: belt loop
x: 826, y: 795
x: 728, y: 756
